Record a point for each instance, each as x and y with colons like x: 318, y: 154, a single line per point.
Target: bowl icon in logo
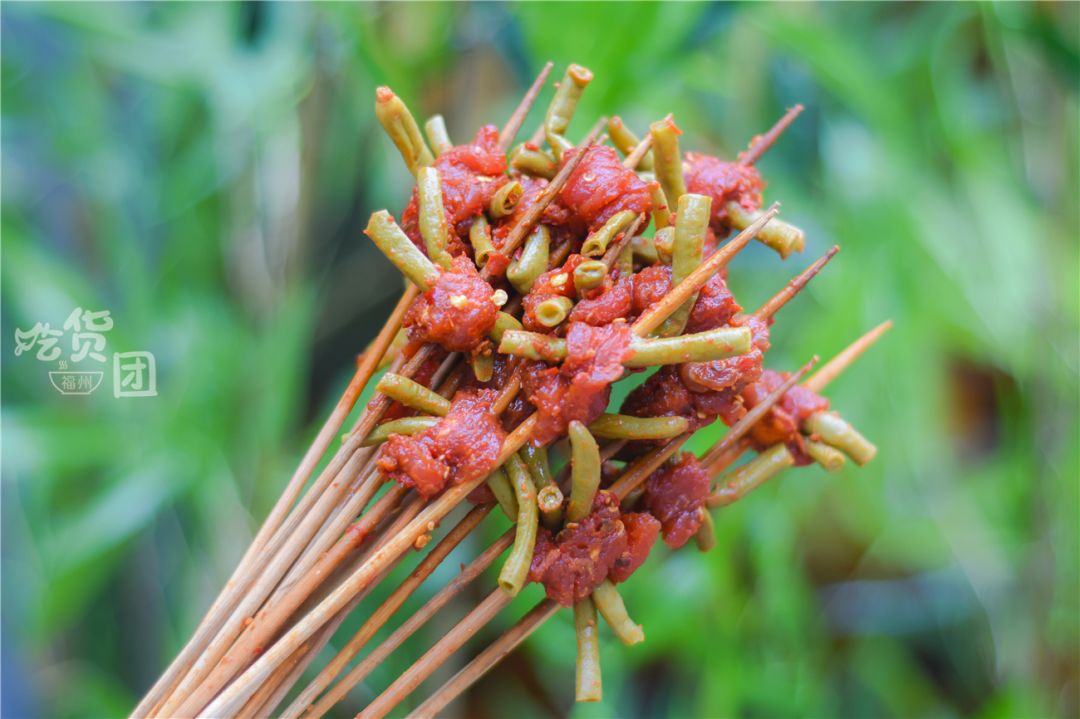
x: 75, y: 382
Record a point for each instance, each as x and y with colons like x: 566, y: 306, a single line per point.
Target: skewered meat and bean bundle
x: 540, y: 275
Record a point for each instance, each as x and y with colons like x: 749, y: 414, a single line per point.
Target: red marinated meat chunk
x: 554, y: 215
x: 733, y: 373
x: 600, y: 186
x: 782, y: 423
x: 558, y: 282
x: 573, y: 563
x: 456, y: 313
x: 611, y: 303
x: 470, y: 175
x: 675, y: 494
x: 580, y: 388
x: 464, y: 445
x: 724, y: 182
x: 715, y: 306
x: 661, y: 395
x: 642, y: 529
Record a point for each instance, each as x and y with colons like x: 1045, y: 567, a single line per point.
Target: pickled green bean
x: 500, y: 486
x: 533, y: 161
x: 661, y: 210
x: 400, y: 125
x: 589, y: 275
x: 596, y: 243
x: 826, y: 455
x: 536, y: 459
x: 664, y: 244
x: 505, y: 199
x: 550, y: 501
x: 435, y: 129
x: 480, y: 239
x: 739, y: 482
x: 691, y: 224
x: 624, y: 139
x: 412, y: 394
x: 625, y: 261
x: 610, y: 603
x: 406, y: 426
x: 833, y: 430
x: 532, y: 262
x: 705, y: 537
x: 483, y: 365
x: 624, y: 426
x: 584, y: 472
x: 553, y: 311
x: 781, y: 236
x: 668, y: 159
x: 561, y: 110
x: 503, y: 323
x: 400, y: 250
x: 533, y: 346
x: 706, y: 346
x: 432, y: 215
x: 587, y: 682
x: 515, y: 570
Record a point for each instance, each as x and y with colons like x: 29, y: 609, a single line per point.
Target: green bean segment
x: 691, y: 224
x: 480, y: 239
x: 532, y: 262
x: 826, y: 455
x: 612, y: 608
x: 504, y: 323
x: 589, y: 275
x: 741, y: 481
x: 553, y: 311
x: 624, y: 426
x: 533, y: 161
x: 584, y: 471
x: 400, y: 125
x: 435, y: 129
x: 661, y: 210
x: 500, y: 486
x: 705, y: 537
x: 400, y: 250
x: 833, y: 430
x: 596, y: 243
x: 668, y: 159
x: 483, y: 366
x: 706, y: 346
x: 406, y: 426
x: 625, y: 262
x: 536, y: 459
x: 432, y: 215
x: 412, y: 394
x: 624, y: 139
x: 644, y: 250
x: 781, y: 236
x: 515, y: 570
x: 550, y: 500
x: 664, y: 244
x: 505, y: 199
x: 587, y: 682
x: 561, y: 110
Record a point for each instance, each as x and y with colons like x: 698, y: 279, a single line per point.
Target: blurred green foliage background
x: 203, y: 171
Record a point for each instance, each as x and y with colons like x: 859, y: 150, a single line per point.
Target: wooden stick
x: 761, y: 143
x: 796, y: 285
x: 655, y: 315
x: 387, y: 609
x: 634, y: 158
x: 513, y: 125
x: 747, y: 421
x: 485, y: 660
x: 528, y: 221
x: 411, y: 625
x: 234, y: 589
x: 432, y: 659
x: 611, y: 255
x: 832, y: 369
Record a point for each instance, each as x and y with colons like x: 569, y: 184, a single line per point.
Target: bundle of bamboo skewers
x: 472, y: 371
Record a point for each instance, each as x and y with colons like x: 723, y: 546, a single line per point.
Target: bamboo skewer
x: 761, y: 143
x: 513, y: 125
